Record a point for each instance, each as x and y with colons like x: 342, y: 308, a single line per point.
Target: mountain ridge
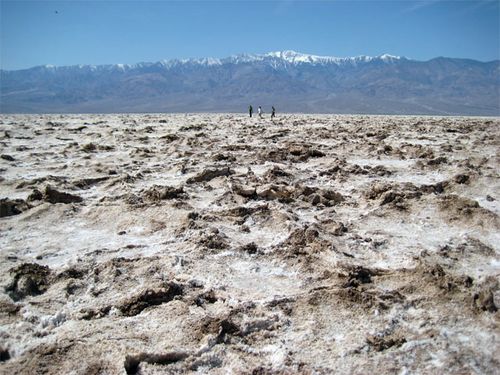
x: 292, y: 81
x: 287, y: 55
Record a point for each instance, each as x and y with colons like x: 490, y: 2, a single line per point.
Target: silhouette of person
x: 273, y: 112
x: 250, y: 110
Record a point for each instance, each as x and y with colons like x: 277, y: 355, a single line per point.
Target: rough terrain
x: 158, y: 244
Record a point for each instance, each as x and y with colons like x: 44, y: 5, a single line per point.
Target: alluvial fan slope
x: 152, y: 244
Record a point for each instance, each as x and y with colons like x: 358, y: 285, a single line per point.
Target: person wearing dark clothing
x: 273, y: 112
x: 250, y: 110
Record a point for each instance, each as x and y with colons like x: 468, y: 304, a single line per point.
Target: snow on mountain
x: 295, y: 58
x: 291, y: 80
x: 275, y: 59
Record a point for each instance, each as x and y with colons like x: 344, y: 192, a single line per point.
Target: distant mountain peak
x: 298, y: 57
x: 294, y: 57
x: 275, y: 58
x: 288, y: 54
x: 291, y: 80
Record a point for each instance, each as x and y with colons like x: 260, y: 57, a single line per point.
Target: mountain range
x: 291, y: 81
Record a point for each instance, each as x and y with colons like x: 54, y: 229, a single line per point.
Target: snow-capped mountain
x: 293, y: 57
x: 284, y: 57
x: 290, y: 80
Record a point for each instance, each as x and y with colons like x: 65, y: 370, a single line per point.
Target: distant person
x: 273, y: 112
x: 250, y: 110
x: 260, y: 111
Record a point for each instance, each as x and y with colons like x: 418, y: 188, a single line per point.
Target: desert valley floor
x: 218, y: 243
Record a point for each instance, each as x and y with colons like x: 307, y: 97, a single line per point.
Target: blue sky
x: 103, y: 32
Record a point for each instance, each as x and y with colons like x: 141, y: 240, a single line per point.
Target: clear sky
x: 105, y: 32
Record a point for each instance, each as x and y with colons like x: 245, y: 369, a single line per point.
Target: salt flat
x: 218, y: 243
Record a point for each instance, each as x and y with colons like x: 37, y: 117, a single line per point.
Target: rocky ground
x: 157, y: 244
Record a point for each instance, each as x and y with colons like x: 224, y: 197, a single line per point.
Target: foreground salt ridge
x: 216, y: 243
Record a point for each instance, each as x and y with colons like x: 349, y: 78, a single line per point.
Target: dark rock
x: 379, y: 170
x: 72, y: 287
x: 305, y: 191
x: 358, y: 275
x: 437, y: 188
x: 250, y: 248
x: 4, y: 354
x: 244, y: 191
x: 28, y: 279
x: 157, y: 193
x: 214, y: 241
x: 461, y: 179
x: 7, y: 157
x: 132, y: 362
x: 459, y: 205
x: 87, y: 313
x: 304, y: 152
x: 36, y: 195
x: 339, y: 229
x: 206, y: 297
x: 332, y: 196
x: 381, y: 343
x: 297, y: 150
x: 10, y: 207
x: 71, y: 273
x: 311, y: 234
x: 276, y: 171
x: 388, y: 197
x: 150, y: 297
x: 8, y: 307
x: 194, y: 283
x: 483, y: 300
x: 316, y: 153
x: 133, y: 200
x: 227, y: 328
x: 376, y: 191
x: 301, y: 237
x: 89, y: 147
x: 52, y: 195
x: 85, y: 183
x: 315, y: 199
x: 209, y: 174
x: 437, y: 161
x: 224, y: 157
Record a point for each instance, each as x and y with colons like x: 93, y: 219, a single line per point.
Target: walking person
x: 250, y: 110
x: 273, y: 112
x: 260, y: 111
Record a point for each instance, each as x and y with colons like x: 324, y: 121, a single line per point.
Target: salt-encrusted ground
x: 222, y: 244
